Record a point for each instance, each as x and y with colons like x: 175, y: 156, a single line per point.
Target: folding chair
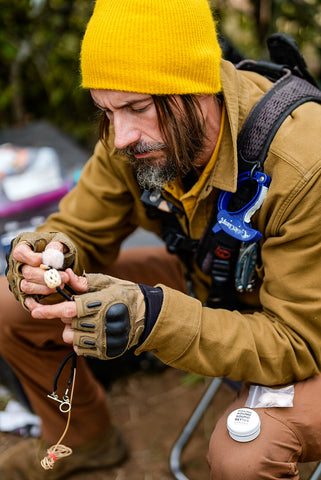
x: 183, y: 439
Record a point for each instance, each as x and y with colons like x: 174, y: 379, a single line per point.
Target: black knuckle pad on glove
x: 117, y: 328
x: 86, y: 325
x: 111, y: 314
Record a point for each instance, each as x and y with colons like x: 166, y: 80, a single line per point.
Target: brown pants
x: 288, y: 436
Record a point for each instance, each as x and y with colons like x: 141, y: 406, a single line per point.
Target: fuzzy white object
x: 53, y: 258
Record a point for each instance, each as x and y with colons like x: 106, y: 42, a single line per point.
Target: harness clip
x: 237, y: 223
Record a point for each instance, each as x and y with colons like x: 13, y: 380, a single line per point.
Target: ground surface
x: 152, y: 409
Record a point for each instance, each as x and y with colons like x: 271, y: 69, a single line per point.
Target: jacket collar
x: 236, y: 102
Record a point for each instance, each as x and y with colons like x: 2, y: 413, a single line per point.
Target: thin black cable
x: 72, y: 355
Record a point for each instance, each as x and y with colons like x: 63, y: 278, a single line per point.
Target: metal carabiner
x: 237, y: 223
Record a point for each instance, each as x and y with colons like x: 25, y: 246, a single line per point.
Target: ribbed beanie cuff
x: 151, y: 46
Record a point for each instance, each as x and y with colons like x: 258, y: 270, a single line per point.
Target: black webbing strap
x: 268, y: 114
x: 219, y: 263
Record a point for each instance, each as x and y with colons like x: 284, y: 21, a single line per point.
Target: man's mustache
x: 141, y: 147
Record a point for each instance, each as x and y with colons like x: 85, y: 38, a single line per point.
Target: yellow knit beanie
x: 151, y: 46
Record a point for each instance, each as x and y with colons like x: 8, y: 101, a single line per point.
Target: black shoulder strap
x: 288, y: 92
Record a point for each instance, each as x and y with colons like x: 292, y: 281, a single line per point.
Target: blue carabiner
x: 237, y: 224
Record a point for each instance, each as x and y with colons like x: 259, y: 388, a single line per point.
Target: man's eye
x: 139, y: 110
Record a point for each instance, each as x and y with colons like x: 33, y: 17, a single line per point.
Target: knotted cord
x: 57, y: 451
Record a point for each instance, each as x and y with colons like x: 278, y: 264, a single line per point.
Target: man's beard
x: 149, y: 173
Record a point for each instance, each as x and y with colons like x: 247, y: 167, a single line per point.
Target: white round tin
x: 243, y: 424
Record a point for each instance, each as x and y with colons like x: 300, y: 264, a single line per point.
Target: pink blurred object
x: 10, y: 208
x: 30, y: 178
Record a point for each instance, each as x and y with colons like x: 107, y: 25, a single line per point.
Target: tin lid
x: 243, y: 424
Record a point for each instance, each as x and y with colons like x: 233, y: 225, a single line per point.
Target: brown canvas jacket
x: 281, y: 341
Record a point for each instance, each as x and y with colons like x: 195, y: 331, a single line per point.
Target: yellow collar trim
x: 188, y: 199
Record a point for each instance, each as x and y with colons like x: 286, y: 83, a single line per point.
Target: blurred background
x: 40, y: 43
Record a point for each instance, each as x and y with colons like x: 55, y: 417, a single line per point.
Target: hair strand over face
x: 182, y: 126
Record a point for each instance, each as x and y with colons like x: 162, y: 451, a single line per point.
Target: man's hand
x: 105, y: 321
x: 23, y: 272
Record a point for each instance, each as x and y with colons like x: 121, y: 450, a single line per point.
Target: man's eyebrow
x: 127, y: 104
x: 100, y: 107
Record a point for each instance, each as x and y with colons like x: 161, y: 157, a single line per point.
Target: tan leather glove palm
x: 110, y: 317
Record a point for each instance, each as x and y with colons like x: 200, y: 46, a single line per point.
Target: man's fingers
x: 36, y: 275
x: 50, y: 311
x: 56, y: 246
x: 23, y: 253
x: 64, y: 310
x: 31, y: 303
x: 34, y: 288
x: 77, y: 283
x: 68, y: 334
x: 34, y: 283
x: 33, y: 274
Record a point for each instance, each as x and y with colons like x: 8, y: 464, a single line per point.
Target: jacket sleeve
x: 280, y: 343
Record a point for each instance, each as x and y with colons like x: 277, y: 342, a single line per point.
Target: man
x: 171, y: 113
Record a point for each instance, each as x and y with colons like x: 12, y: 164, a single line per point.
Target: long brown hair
x: 181, y: 124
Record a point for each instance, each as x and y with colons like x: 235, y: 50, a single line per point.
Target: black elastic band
x: 153, y: 301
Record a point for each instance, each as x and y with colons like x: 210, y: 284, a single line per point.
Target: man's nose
x: 126, y: 133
